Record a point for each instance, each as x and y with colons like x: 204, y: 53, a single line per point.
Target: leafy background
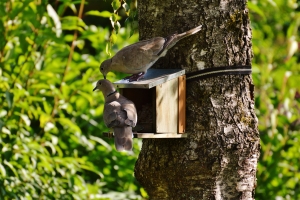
x: 276, y: 42
x: 51, y: 121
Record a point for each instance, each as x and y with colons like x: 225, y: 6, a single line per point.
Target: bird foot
x: 134, y: 77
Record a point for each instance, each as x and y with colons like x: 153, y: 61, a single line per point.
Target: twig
x: 56, y: 99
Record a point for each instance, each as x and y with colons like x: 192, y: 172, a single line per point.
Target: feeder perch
x: 160, y: 102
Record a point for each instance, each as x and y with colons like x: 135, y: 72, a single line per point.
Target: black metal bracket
x: 218, y: 71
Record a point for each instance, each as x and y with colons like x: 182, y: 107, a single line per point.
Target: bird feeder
x: 160, y: 102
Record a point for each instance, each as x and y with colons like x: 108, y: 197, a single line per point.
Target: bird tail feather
x: 173, y: 39
x: 190, y: 32
x: 123, y: 138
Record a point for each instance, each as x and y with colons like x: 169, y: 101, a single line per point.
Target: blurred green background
x: 51, y: 121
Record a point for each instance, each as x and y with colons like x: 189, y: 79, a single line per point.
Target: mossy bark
x: 219, y: 158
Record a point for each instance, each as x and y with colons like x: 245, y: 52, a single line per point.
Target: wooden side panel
x: 181, y: 103
x: 167, y: 107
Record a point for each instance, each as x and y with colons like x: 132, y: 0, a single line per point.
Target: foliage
x: 276, y: 76
x: 50, y: 120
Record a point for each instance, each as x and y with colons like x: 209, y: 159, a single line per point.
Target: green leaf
x: 67, y: 123
x: 117, y: 27
x: 9, y: 98
x: 52, y: 147
x: 11, y: 167
x: 1, y: 124
x: 114, y: 17
x: 101, y: 141
x: 107, y: 49
x: 116, y: 4
x: 2, y: 35
x: 113, y: 38
x: 72, y: 23
x: 2, y: 170
x: 126, y: 7
x: 105, y: 13
x: 92, y: 169
x: 86, y: 96
x: 47, y: 107
x: 45, y: 163
x: 18, y: 8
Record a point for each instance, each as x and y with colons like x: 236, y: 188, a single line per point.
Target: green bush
x: 275, y: 26
x: 50, y: 120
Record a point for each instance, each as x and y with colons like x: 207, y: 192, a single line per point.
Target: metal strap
x: 218, y: 71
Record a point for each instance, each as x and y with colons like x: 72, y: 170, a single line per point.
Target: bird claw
x: 134, y: 77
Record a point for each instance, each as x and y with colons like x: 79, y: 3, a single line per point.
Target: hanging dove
x: 119, y: 114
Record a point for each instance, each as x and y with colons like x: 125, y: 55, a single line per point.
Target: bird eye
x: 102, y: 68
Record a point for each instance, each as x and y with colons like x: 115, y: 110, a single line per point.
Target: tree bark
x: 218, y: 160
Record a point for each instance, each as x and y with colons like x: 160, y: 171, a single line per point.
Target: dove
x: 119, y: 114
x: 137, y: 58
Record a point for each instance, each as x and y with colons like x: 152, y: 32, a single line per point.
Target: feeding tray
x: 160, y: 102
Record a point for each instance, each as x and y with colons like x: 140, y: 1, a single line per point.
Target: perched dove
x: 119, y: 113
x: 137, y: 58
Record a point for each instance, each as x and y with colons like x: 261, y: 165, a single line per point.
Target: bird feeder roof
x: 152, y: 78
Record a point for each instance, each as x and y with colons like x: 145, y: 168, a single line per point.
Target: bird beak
x: 95, y: 88
x: 104, y: 76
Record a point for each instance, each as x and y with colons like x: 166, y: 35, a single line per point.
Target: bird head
x: 106, y: 87
x: 104, y: 67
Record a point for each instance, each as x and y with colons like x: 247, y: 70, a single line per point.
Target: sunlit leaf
x: 11, y: 167
x: 101, y: 141
x: 2, y: 170
x: 126, y: 6
x: 99, y: 14
x: 113, y: 38
x: 53, y: 14
x: 116, y: 4
x: 69, y: 124
x: 117, y: 27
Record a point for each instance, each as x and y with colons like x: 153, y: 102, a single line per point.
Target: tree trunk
x: 218, y: 160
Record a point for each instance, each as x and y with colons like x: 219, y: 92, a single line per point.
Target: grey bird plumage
x: 137, y: 58
x: 119, y: 114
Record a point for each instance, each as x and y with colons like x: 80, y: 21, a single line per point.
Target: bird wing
x: 131, y: 114
x: 138, y: 56
x: 111, y: 114
x: 152, y: 46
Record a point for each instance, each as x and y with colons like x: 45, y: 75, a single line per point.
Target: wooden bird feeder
x: 160, y: 102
